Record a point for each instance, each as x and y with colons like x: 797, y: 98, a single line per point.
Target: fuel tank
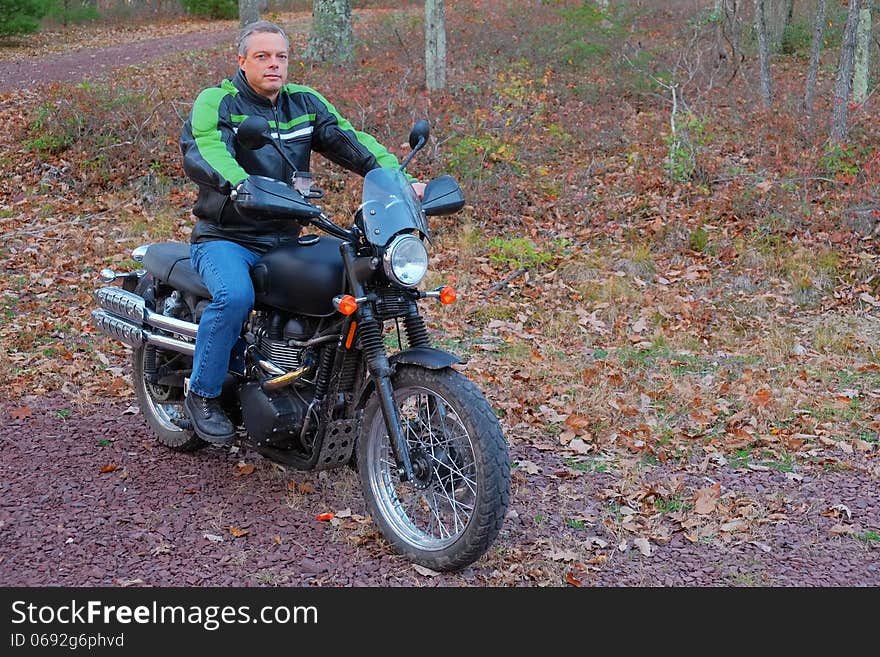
x: 301, y: 278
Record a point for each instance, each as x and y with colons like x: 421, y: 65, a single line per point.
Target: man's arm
x: 208, y: 143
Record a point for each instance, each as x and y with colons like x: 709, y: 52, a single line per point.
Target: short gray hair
x: 244, y: 36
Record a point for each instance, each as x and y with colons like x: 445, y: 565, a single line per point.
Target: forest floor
x: 685, y: 369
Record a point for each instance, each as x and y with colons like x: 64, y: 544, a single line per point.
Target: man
x: 225, y: 245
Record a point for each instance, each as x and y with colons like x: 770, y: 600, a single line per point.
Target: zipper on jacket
x: 287, y: 178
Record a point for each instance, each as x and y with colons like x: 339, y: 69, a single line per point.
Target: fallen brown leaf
x: 563, y: 555
x: 566, y: 437
x: 762, y: 397
x: 643, y: 545
x: 698, y: 417
x: 302, y: 489
x: 837, y: 511
x: 577, y: 422
x: 427, y: 572
x: 704, y: 502
x: 579, y: 446
x: 734, y: 525
x: 20, y: 413
x: 529, y: 466
x: 128, y: 582
x: 572, y: 580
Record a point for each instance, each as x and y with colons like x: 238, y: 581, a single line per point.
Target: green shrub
x: 71, y: 11
x: 843, y: 159
x: 797, y: 39
x: 51, y: 131
x: 586, y: 38
x: 519, y: 252
x: 699, y: 240
x: 20, y: 16
x: 684, y: 147
x: 217, y: 9
x: 108, y: 133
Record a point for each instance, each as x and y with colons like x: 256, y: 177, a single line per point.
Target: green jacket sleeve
x: 207, y: 142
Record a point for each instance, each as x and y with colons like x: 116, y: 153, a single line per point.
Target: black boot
x: 209, y: 420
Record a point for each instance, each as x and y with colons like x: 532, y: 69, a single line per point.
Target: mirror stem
x: 285, y: 158
x: 414, y: 151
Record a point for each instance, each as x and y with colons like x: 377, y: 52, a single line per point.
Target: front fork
x: 370, y: 332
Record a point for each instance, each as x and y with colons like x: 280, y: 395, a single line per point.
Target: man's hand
x: 419, y: 189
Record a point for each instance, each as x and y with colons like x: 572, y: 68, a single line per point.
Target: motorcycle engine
x: 272, y: 418
x: 276, y: 417
x: 273, y: 337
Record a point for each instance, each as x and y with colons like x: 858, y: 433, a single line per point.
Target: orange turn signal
x: 347, y: 304
x: 448, y: 295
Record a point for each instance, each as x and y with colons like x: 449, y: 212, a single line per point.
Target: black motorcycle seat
x: 169, y: 262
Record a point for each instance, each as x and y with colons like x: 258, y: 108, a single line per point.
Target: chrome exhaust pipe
x: 170, y: 344
x: 135, y: 336
x: 125, y: 332
x: 124, y: 313
x: 129, y: 305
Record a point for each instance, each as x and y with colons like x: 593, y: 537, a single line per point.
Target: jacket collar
x: 245, y: 88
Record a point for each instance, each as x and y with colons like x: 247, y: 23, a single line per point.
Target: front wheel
x: 452, y: 511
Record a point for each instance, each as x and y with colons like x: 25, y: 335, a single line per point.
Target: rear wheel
x: 162, y: 403
x: 452, y: 511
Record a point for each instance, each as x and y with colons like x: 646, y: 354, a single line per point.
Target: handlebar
x: 326, y: 224
x: 266, y: 198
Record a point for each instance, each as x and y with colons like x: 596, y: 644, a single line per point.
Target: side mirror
x: 442, y: 196
x: 254, y: 132
x: 419, y: 135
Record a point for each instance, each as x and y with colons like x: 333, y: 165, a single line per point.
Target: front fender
x: 427, y: 357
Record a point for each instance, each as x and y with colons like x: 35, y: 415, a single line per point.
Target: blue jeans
x: 225, y: 269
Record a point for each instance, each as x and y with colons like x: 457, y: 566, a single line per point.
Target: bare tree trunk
x: 778, y: 15
x: 332, y: 38
x: 718, y: 54
x: 732, y: 21
x: 248, y: 11
x: 435, y: 45
x: 843, y: 84
x: 763, y: 53
x: 815, y: 50
x: 863, y: 53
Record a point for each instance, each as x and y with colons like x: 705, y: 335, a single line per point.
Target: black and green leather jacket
x: 302, y: 120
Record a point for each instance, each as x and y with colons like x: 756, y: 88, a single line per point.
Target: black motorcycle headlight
x: 406, y: 260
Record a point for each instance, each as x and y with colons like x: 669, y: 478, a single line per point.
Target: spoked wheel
x: 452, y: 511
x: 162, y: 407
x: 162, y: 404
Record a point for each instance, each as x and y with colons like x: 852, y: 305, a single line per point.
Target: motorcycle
x: 311, y: 383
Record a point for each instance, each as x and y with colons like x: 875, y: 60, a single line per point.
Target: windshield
x: 390, y: 205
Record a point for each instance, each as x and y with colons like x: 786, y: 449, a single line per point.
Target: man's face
x: 265, y: 65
